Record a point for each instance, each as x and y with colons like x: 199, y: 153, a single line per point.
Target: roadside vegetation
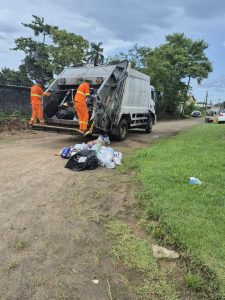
x: 14, y: 115
x: 186, y: 217
x: 11, y: 121
x: 173, y: 66
x: 136, y: 254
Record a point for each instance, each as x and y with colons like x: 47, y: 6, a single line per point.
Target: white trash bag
x: 105, y: 158
x: 117, y: 158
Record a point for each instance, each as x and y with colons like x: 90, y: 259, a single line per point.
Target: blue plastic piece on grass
x: 194, y: 181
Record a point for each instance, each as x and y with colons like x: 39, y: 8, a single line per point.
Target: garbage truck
x: 121, y: 98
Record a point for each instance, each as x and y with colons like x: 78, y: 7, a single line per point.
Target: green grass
x: 195, y: 281
x: 190, y: 217
x: 11, y: 266
x: 136, y: 254
x: 16, y: 115
x: 20, y: 244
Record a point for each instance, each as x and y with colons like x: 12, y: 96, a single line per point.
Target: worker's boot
x: 31, y: 122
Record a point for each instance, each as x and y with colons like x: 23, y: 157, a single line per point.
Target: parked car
x: 221, y: 117
x: 196, y: 114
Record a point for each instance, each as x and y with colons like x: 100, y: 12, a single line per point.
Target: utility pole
x: 206, y: 99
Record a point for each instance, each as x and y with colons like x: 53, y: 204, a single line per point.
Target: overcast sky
x: 120, y: 24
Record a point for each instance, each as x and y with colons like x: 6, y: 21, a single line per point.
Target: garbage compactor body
x: 121, y: 99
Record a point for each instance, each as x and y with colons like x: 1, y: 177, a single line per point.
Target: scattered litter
x: 89, y: 156
x: 96, y: 281
x: 65, y: 152
x: 194, y: 181
x: 105, y: 157
x: 161, y: 252
x: 118, y: 158
x: 83, y: 160
x: 102, y: 139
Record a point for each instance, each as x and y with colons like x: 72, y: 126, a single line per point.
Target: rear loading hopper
x: 109, y: 89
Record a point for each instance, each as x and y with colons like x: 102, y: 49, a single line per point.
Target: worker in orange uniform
x: 83, y: 91
x: 36, y: 102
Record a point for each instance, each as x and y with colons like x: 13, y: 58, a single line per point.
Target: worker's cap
x: 39, y: 81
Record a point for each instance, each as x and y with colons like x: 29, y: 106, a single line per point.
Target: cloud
x: 205, y: 9
x: 120, y: 24
x: 215, y: 86
x: 215, y: 83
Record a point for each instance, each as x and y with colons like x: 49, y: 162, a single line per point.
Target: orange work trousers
x: 82, y: 113
x: 37, y: 113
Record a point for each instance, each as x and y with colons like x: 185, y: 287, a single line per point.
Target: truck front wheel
x: 122, y: 130
x: 148, y: 128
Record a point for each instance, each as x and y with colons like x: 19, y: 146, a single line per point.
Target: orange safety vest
x: 82, y: 92
x: 36, y: 94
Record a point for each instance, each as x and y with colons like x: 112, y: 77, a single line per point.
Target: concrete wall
x: 14, y: 98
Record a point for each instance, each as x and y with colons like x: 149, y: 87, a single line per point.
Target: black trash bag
x: 90, y: 163
x: 65, y: 114
x: 61, y: 114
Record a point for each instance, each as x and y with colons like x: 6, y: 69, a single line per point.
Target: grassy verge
x: 192, y: 218
x: 16, y: 115
x: 136, y: 254
x: 13, y: 121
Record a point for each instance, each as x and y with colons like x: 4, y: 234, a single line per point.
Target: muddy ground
x: 52, y: 237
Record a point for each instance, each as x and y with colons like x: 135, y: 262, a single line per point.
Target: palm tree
x: 94, y: 55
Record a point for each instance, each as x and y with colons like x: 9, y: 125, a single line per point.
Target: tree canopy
x: 44, y: 60
x: 67, y: 49
x: 13, y: 77
x: 172, y: 66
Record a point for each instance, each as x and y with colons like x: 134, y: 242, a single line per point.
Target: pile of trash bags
x: 91, y: 155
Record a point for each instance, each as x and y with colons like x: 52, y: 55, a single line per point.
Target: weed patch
x: 20, y: 244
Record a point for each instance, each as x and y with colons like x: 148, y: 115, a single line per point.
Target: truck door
x: 151, y: 102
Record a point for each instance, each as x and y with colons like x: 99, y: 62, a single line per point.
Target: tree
x: 39, y: 27
x: 36, y: 61
x: 67, y: 49
x: 42, y: 60
x: 94, y: 55
x: 12, y: 77
x: 134, y: 55
x: 172, y: 65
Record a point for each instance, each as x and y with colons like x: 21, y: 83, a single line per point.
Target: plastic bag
x: 96, y: 147
x: 83, y: 160
x: 65, y: 152
x: 117, y: 158
x: 80, y: 147
x: 194, y: 181
x: 105, y: 158
x: 102, y: 140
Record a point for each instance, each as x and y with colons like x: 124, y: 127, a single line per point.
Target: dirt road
x: 52, y: 237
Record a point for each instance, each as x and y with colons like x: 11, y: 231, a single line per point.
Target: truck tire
x: 122, y: 130
x: 148, y: 128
